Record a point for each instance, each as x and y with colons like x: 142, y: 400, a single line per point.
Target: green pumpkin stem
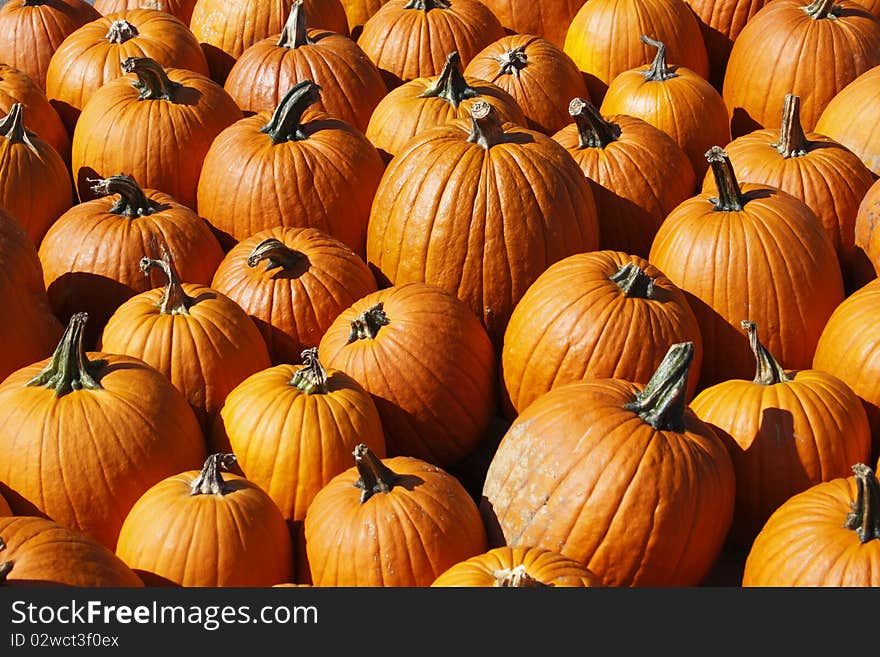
x: 511, y: 62
x: 152, y: 81
x: 634, y: 281
x: 516, y: 578
x: 661, y: 403
x: 121, y: 31
x: 451, y: 85
x: 174, y: 301
x: 730, y: 197
x: 12, y: 126
x: 286, y: 122
x: 659, y: 69
x: 768, y: 371
x: 865, y: 515
x: 367, y: 324
x: 275, y: 253
x: 210, y: 480
x: 819, y: 9
x: 132, y: 200
x: 69, y: 368
x: 295, y: 32
x: 427, y: 5
x: 5, y: 566
x: 792, y: 140
x: 593, y: 130
x: 312, y: 377
x: 486, y: 128
x: 373, y: 475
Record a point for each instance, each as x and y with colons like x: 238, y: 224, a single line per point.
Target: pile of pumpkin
x: 440, y: 292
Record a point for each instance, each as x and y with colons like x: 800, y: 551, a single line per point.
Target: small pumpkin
x: 518, y: 567
x: 17, y: 87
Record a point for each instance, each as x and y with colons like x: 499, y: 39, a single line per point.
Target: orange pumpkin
x: 39, y: 116
x: 181, y: 9
x: 4, y: 507
x: 866, y: 257
x: 549, y: 19
x: 518, y: 567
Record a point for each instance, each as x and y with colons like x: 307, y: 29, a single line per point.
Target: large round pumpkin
x: 39, y: 116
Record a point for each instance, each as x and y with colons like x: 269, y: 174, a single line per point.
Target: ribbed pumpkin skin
x: 578, y: 474
x: 574, y: 322
x: 90, y: 255
x: 811, y: 58
x: 805, y: 543
x: 33, y: 331
x: 861, y: 136
x: 294, y: 307
x: 44, y: 553
x: 770, y: 262
x: 181, y: 9
x: 406, y: 537
x: 548, y: 19
x: 88, y: 59
x: 867, y: 239
x: 784, y: 438
x: 357, y: 12
x: 543, y: 88
x: 238, y: 539
x: 547, y: 567
x: 636, y: 181
x: 39, y: 115
x: 604, y: 39
x: 412, y: 43
x: 453, y: 214
x: 33, y: 32
x: 116, y: 442
x: 431, y: 371
x: 160, y: 143
x: 327, y: 181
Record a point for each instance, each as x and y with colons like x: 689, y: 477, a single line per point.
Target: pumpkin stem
x: 451, y: 85
x: 769, y: 372
x: 12, y: 126
x: 427, y: 5
x: 132, y: 200
x: 312, y: 377
x: 275, y: 253
x: 210, y: 480
x: 822, y: 9
x: 486, y: 128
x: 5, y: 566
x: 121, y: 31
x: 516, y: 578
x: 661, y: 403
x: 511, y: 62
x: 295, y: 31
x: 792, y: 140
x: 659, y: 69
x: 374, y: 476
x: 285, y: 124
x: 730, y: 197
x: 152, y: 81
x: 865, y: 515
x: 175, y: 301
x: 367, y: 324
x: 593, y: 130
x: 69, y: 368
x: 634, y: 281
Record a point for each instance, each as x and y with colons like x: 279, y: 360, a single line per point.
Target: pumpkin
x: 90, y: 255
x: 825, y: 175
x: 4, y: 507
x: 154, y: 124
x: 293, y: 282
x: 548, y: 19
x: 675, y: 99
x: 825, y: 536
x: 34, y: 182
x: 226, y: 28
x: 293, y: 428
x: 604, y: 40
x: 180, y: 9
x: 603, y: 314
x: 91, y: 432
x: 786, y: 431
x: 749, y: 251
x: 428, y: 363
x: 37, y: 551
x: 862, y: 136
x: 536, y: 73
x: 813, y: 50
x: 637, y: 174
x: 198, y: 528
x: 428, y: 102
x: 391, y: 522
x: 409, y: 39
x: 480, y: 209
x: 621, y: 477
x: 40, y: 117
x: 33, y: 29
x: 351, y: 85
x: 518, y: 567
x: 90, y: 56
x: 866, y: 256
x: 294, y: 167
x: 196, y: 336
